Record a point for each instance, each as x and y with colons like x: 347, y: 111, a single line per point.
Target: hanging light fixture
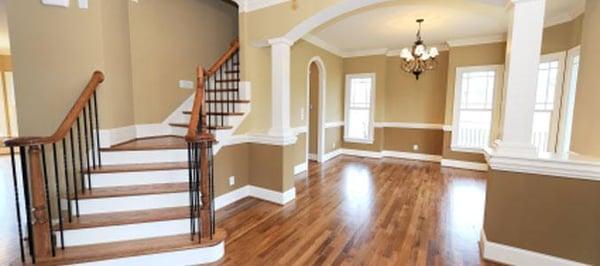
x: 418, y: 58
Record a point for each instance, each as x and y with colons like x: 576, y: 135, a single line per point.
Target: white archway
x: 321, y: 112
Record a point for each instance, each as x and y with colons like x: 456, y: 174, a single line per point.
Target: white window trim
x: 564, y: 127
x: 559, y: 90
x: 499, y: 69
x: 371, y: 138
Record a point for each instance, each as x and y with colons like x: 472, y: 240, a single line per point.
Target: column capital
x: 280, y: 41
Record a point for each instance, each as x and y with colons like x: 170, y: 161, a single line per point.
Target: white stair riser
x: 219, y: 134
x: 139, y: 178
x: 132, y: 203
x: 147, y: 156
x: 183, y: 257
x: 106, y: 234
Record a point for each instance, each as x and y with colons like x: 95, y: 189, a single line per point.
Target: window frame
x: 370, y: 139
x: 496, y: 104
x: 565, y: 122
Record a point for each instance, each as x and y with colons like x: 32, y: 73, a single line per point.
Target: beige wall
x: 416, y: 101
x: 557, y: 216
x: 429, y: 141
x: 586, y: 122
x: 168, y: 40
x: 562, y: 37
x: 232, y: 155
x: 49, y: 77
x: 333, y: 138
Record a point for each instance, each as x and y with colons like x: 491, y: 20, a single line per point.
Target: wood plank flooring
x: 358, y: 211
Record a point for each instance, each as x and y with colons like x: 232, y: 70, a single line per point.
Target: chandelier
x: 418, y: 58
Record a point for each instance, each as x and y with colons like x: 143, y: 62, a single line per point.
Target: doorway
x: 316, y: 109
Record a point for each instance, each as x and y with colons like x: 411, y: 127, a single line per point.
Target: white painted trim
x: 447, y: 128
x: 151, y: 130
x: 464, y: 165
x: 300, y: 130
x: 316, y: 41
x: 370, y: 52
x: 182, y: 257
x: 272, y: 196
x: 272, y: 140
x: 517, y: 256
x: 60, y: 3
x: 322, y: 90
x: 562, y: 166
x: 253, y: 5
x: 412, y: 156
x: 300, y: 168
x: 330, y: 155
x: 334, y: 124
x: 231, y: 197
x: 312, y: 156
x: 565, y: 16
x: 408, y: 125
x: 477, y: 40
x: 362, y: 153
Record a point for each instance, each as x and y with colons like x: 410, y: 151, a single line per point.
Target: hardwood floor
x: 363, y: 211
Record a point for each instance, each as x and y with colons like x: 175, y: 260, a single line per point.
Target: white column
x: 524, y: 42
x: 280, y: 88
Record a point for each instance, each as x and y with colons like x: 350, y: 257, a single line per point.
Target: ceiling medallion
x: 418, y: 58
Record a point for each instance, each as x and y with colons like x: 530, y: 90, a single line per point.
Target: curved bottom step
x: 168, y: 250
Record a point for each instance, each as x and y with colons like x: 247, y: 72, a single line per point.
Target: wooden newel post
x: 41, y: 233
x: 204, y: 189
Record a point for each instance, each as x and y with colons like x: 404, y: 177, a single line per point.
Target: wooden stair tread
x: 185, y: 125
x: 228, y: 101
x: 218, y: 113
x: 150, y: 143
x: 136, y: 190
x: 129, y: 248
x: 138, y: 167
x: 222, y: 90
x: 126, y: 217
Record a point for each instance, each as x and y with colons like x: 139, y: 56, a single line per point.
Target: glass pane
x: 477, y: 90
x: 358, y: 124
x: 541, y: 130
x: 474, y: 129
x: 360, y: 92
x: 546, y: 89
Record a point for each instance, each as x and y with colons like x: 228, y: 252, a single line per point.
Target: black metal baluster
x: 93, y: 151
x: 189, y: 146
x: 211, y: 108
x: 221, y: 98
x: 97, y: 130
x: 227, y: 83
x: 74, y: 172
x: 82, y: 175
x: 48, y: 200
x: 69, y: 208
x: 60, y: 220
x: 17, y: 205
x: 87, y: 152
x: 237, y: 74
x: 30, y: 238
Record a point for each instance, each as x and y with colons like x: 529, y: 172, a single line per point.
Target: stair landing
x: 150, y: 143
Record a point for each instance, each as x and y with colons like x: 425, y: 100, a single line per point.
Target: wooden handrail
x: 233, y: 48
x: 70, y: 119
x: 192, y: 134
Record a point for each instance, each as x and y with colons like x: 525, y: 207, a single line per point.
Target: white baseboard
x: 517, y: 256
x: 412, y: 156
x: 300, y: 168
x: 465, y: 165
x: 110, y: 137
x: 331, y: 155
x: 280, y: 198
x: 361, y: 153
x: 313, y: 157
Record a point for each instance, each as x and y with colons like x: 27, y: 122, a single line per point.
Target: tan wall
x: 299, y: 148
x: 333, y: 138
x: 232, y: 155
x: 49, y: 77
x: 377, y: 145
x: 402, y: 140
x: 552, y: 215
x: 371, y: 64
x: 562, y: 37
x: 417, y: 101
x: 586, y: 122
x: 168, y: 40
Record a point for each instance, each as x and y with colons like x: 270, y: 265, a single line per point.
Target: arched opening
x: 315, y: 104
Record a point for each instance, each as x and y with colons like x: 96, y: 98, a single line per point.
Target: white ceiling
x: 393, y: 26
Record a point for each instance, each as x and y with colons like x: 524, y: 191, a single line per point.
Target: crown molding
x: 476, y: 40
x: 565, y: 16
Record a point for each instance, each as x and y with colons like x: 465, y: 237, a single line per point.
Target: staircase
x: 144, y: 202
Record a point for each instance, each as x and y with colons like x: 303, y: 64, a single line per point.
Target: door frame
x: 321, y: 113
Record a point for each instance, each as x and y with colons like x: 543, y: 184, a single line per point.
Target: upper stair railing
x: 44, y: 182
x: 217, y: 93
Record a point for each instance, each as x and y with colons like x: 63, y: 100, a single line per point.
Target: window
x: 360, y: 97
x: 545, y: 117
x: 474, y: 105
